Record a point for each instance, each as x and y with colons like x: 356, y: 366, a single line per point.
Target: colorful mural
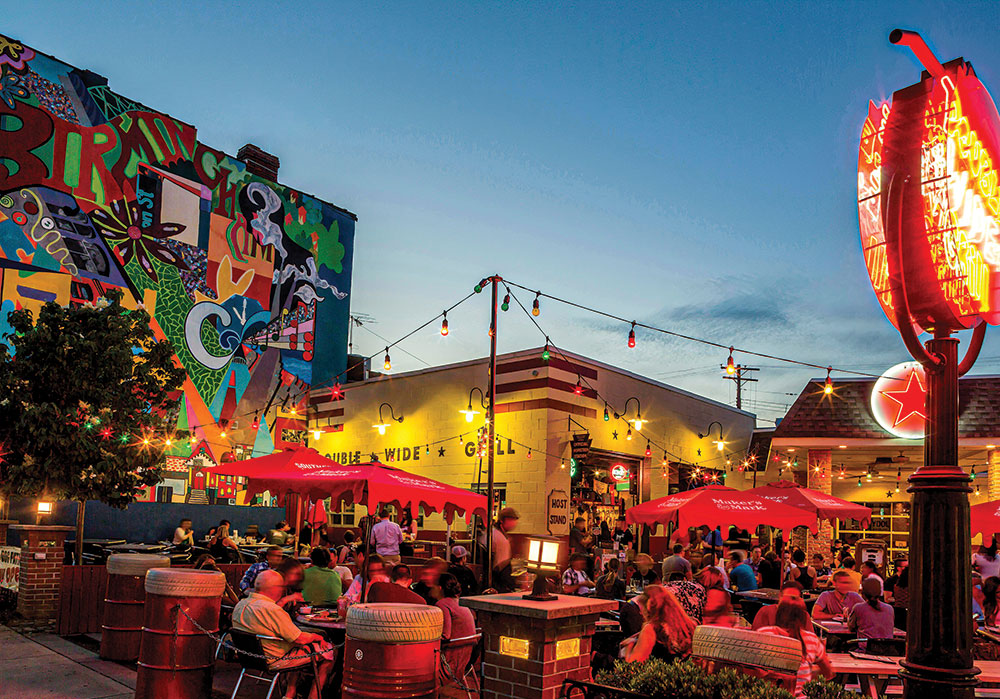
x: 249, y: 279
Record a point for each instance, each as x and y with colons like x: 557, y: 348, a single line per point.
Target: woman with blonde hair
x: 667, y: 631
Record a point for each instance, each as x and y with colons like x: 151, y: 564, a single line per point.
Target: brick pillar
x: 819, y: 479
x: 531, y: 647
x: 993, y: 475
x: 41, y: 569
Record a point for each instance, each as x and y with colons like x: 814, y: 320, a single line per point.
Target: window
x: 344, y: 518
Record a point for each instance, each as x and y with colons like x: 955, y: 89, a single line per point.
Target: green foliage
x: 84, y: 386
x: 822, y: 689
x: 686, y: 680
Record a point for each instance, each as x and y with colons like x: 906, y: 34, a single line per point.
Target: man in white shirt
x: 184, y: 535
x: 387, y: 536
x: 259, y: 614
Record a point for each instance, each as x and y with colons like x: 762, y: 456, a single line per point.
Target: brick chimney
x: 259, y: 162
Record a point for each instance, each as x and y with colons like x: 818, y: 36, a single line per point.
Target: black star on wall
x: 440, y: 451
x: 614, y: 435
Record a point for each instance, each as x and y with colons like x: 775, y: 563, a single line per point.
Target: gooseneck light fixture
x: 637, y: 421
x: 470, y: 413
x: 719, y: 443
x: 381, y: 425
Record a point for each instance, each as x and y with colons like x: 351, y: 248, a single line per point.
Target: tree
x: 85, y: 401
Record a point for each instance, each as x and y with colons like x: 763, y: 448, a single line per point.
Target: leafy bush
x: 686, y: 680
x: 822, y: 689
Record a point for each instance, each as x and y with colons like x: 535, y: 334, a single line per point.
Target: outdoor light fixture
x: 387, y: 364
x: 469, y: 413
x: 828, y: 386
x: 381, y: 425
x: 730, y: 366
x: 44, y: 507
x: 444, y: 324
x: 637, y: 421
x: 542, y: 560
x: 720, y: 443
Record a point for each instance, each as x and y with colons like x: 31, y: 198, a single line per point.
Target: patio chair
x: 459, y: 657
x: 248, y: 646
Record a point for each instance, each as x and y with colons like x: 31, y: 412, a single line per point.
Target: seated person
x: 741, y: 575
x: 459, y: 621
x: 279, y: 536
x: 646, y: 570
x: 611, y: 585
x: 272, y: 559
x: 221, y: 546
x: 872, y: 618
x: 801, y: 573
x: 630, y: 615
x: 429, y: 586
x: 371, y: 570
x: 823, y: 571
x: 259, y: 614
x: 718, y: 605
x: 790, y: 589
x: 666, y: 632
x: 847, y: 564
x: 398, y: 590
x: 574, y: 578
x: 792, y: 621
x: 184, y: 535
x: 836, y: 603
x: 869, y: 571
x: 294, y: 574
x: 206, y: 562
x: 322, y: 586
x: 690, y: 594
x: 460, y: 569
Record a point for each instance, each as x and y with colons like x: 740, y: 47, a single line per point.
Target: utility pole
x: 740, y: 379
x: 491, y: 393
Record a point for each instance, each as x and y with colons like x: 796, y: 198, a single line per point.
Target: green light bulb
x: 479, y: 288
x: 545, y: 355
x: 504, y: 306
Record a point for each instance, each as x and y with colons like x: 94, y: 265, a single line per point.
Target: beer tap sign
x: 929, y: 199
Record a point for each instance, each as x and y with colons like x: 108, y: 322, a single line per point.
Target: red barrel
x: 176, y: 658
x: 123, y: 604
x: 392, y: 651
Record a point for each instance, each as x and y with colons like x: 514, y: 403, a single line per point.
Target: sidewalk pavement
x: 45, y: 666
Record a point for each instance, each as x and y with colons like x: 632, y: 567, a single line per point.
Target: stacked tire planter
x: 392, y: 651
x: 124, y: 602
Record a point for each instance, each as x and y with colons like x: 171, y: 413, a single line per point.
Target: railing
x: 575, y: 689
x: 82, y: 592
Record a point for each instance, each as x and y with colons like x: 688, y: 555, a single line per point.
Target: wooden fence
x: 81, y: 596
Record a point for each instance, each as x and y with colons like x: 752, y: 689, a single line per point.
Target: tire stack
x: 392, y: 651
x: 762, y: 654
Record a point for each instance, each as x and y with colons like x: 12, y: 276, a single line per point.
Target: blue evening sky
x: 691, y: 165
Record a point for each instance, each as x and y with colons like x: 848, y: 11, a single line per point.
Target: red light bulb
x: 631, y: 336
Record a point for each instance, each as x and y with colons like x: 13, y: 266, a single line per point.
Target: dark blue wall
x: 145, y: 521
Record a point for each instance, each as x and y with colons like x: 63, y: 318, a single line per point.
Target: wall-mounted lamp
x: 44, y: 507
x: 720, y: 442
x: 469, y: 413
x: 637, y: 421
x: 382, y: 424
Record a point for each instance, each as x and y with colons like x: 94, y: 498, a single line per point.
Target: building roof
x: 847, y: 413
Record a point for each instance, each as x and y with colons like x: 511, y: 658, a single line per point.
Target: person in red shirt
x: 766, y: 614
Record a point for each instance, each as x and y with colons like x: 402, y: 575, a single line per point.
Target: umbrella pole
x: 298, y: 523
x: 447, y: 542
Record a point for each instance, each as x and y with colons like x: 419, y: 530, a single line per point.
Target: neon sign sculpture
x: 929, y: 161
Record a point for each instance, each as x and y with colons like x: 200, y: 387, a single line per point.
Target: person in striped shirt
x: 792, y: 621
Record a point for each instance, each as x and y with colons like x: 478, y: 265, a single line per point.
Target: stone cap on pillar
x: 35, y: 534
x: 515, y: 605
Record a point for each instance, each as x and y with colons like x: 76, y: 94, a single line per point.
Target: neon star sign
x: 898, y: 400
x: 929, y: 201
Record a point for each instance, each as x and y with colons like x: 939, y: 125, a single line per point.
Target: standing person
x: 322, y: 585
x: 579, y: 540
x: 792, y: 621
x: 459, y: 567
x: 756, y: 556
x: 872, y: 618
x: 801, y: 573
x: 667, y: 631
x: 387, y: 536
x: 184, y: 535
x: 605, y: 536
x: 621, y: 537
x: 838, y: 601
x: 676, y: 563
x: 986, y: 560
x: 718, y: 607
x: 898, y: 566
x: 770, y: 571
x: 901, y: 597
x: 506, y: 522
x: 408, y: 526
x: 741, y: 575
x: 766, y: 614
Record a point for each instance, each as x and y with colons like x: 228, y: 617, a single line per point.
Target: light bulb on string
x: 649, y: 452
x: 482, y: 283
x: 529, y: 453
x: 387, y: 364
x: 562, y: 464
x: 859, y: 481
x: 535, y: 310
x: 730, y: 366
x: 545, y: 352
x: 505, y: 306
x: 631, y: 335
x: 255, y: 425
x: 428, y: 449
x: 444, y: 324
x: 578, y: 389
x: 606, y: 416
x: 628, y: 435
x: 828, y: 386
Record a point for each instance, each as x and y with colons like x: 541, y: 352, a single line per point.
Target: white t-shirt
x: 180, y: 535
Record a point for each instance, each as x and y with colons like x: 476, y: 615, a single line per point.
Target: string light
x: 387, y: 364
x: 628, y: 435
x: 336, y: 392
x: 167, y: 442
x: 505, y: 306
x: 255, y: 425
x: 578, y: 389
x: 562, y: 464
x: 859, y: 481
x: 481, y: 284
x: 631, y: 335
x: 535, y: 310
x: 529, y: 453
x: 444, y: 324
x: 730, y: 366
x: 649, y: 451
x: 606, y: 416
x: 545, y: 352
x: 428, y: 449
x: 828, y: 386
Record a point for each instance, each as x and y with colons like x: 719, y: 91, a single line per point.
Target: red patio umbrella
x: 820, y: 504
x: 719, y: 506
x: 309, y: 474
x: 985, y: 519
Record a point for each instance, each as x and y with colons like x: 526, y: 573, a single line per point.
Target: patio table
x: 136, y: 548
x: 875, y: 672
